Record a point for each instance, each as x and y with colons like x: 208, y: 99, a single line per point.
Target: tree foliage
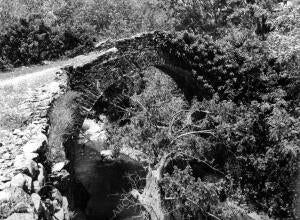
x: 238, y: 139
x: 244, y: 123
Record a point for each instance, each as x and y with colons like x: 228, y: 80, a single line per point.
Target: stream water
x: 104, y: 182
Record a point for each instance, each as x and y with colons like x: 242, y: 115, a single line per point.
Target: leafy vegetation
x: 30, y: 41
x: 245, y: 124
x: 236, y: 139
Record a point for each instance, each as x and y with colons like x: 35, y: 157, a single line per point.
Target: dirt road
x: 44, y: 73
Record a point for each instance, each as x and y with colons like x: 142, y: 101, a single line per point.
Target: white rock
x: 5, y: 185
x: 56, y: 206
x: 58, y: 167
x: 22, y: 207
x: 25, y: 164
x: 56, y: 195
x: 90, y: 126
x: 18, y: 181
x: 32, y: 146
x: 94, y: 131
x: 22, y: 158
x: 22, y: 181
x: 4, y: 179
x: 20, y: 142
x: 36, y: 200
x: 6, y: 156
x: 60, y: 215
x: 41, y: 175
x: 36, y: 144
x: 36, y: 186
x: 28, y: 184
x: 16, y: 131
x: 65, y: 204
x: 4, y: 196
x: 107, y: 154
x: 31, y: 156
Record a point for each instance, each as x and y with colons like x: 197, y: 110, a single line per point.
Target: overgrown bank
x: 235, y: 142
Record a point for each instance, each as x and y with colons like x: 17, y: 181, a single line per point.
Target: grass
x: 64, y: 119
x: 12, y: 116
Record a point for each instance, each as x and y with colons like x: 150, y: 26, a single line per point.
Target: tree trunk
x: 150, y: 199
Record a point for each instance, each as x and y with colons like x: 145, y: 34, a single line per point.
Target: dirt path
x: 47, y: 72
x: 30, y: 76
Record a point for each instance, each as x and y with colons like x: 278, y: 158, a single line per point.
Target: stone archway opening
x: 106, y: 86
x: 106, y: 181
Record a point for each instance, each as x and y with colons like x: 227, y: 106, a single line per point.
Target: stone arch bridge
x: 126, y: 58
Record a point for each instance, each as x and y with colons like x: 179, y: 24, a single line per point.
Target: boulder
x: 59, y: 215
x: 107, y: 154
x: 23, y: 181
x: 56, y: 206
x: 93, y: 130
x: 56, y: 195
x: 37, y: 202
x: 16, y: 131
x: 22, y: 207
x: 4, y: 179
x: 5, y: 185
x: 36, y: 187
x: 10, y: 198
x: 41, y: 175
x: 58, y: 167
x: 25, y: 164
x: 18, y: 181
x: 36, y: 145
x: 4, y: 196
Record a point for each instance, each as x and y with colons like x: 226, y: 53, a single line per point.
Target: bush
x: 256, y: 145
x: 30, y: 41
x: 244, y: 123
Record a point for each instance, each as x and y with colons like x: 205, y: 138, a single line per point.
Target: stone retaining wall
x: 27, y: 185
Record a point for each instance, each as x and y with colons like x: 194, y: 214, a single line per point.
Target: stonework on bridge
x: 123, y: 59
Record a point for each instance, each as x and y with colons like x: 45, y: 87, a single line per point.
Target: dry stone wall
x: 26, y: 190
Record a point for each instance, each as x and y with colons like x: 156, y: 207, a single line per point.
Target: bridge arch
x: 118, y: 60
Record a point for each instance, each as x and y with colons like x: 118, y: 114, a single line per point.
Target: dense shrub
x: 250, y: 121
x: 241, y: 70
x: 257, y: 146
x: 30, y: 41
